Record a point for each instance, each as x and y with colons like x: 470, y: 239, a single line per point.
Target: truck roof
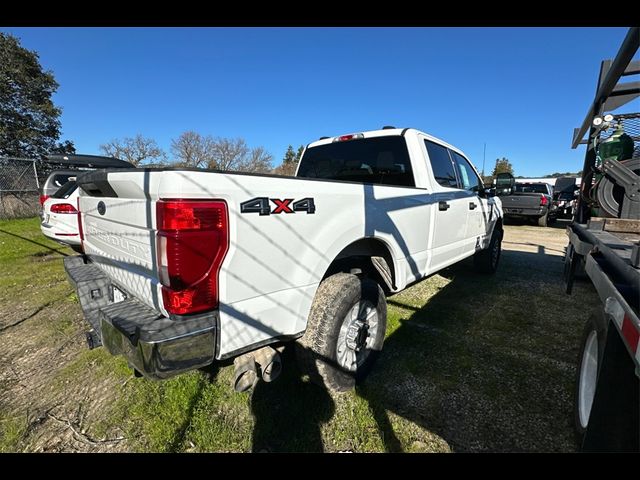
x: 386, y: 132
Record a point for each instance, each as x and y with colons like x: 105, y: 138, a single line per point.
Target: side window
x: 468, y: 177
x: 441, y: 165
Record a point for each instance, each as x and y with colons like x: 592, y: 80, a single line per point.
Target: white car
x: 60, y: 216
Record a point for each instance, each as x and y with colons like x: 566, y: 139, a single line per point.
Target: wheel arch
x: 369, y: 256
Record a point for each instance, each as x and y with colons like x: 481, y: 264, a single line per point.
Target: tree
x: 29, y: 121
x: 191, y: 149
x: 289, y: 162
x: 258, y: 161
x: 233, y: 154
x: 135, y: 150
x: 64, y: 148
x: 503, y: 165
x: 228, y: 153
x: 289, y: 156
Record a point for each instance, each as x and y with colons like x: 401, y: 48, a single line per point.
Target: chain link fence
x: 19, y: 188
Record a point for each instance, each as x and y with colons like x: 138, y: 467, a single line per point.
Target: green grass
x: 471, y: 363
x: 31, y: 266
x: 12, y: 430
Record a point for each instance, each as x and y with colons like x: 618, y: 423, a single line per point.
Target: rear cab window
x: 531, y: 188
x: 377, y: 160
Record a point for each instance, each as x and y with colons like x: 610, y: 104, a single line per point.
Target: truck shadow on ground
x: 486, y: 364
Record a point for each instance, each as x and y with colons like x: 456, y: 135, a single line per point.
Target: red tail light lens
x: 43, y: 198
x: 543, y: 200
x: 63, y: 208
x: 193, y: 238
x: 80, y: 231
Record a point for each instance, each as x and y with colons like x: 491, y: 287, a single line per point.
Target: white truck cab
x: 183, y: 267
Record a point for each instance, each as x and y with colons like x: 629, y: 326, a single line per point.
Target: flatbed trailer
x: 608, y: 375
x: 607, y: 252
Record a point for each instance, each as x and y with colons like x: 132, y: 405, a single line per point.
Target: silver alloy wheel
x: 358, y: 332
x: 588, y: 378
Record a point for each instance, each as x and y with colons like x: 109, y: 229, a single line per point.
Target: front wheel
x: 345, y: 331
x: 486, y: 261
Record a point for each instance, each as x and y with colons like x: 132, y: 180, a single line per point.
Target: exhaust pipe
x: 245, y: 375
x: 269, y: 362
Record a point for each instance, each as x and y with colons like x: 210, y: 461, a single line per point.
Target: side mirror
x: 489, y: 192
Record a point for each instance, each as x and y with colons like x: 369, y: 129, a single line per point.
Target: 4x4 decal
x: 261, y: 206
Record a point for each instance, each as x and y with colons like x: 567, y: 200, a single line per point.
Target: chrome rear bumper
x: 156, y: 346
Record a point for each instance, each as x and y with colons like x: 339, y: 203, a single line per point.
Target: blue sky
x: 520, y: 90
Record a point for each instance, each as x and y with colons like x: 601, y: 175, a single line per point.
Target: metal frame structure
x: 610, y: 94
x: 608, y: 250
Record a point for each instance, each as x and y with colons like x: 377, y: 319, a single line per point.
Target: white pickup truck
x: 186, y: 267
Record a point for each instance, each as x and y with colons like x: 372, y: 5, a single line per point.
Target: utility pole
x: 484, y: 156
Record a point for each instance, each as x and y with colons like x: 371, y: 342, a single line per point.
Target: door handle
x: 472, y: 206
x: 442, y: 206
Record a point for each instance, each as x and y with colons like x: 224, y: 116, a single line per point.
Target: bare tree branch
x: 191, y: 149
x: 135, y: 150
x: 258, y: 160
x: 229, y: 153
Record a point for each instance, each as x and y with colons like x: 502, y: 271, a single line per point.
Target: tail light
x: 43, y: 198
x: 193, y: 238
x: 63, y: 208
x: 543, y: 200
x: 80, y: 231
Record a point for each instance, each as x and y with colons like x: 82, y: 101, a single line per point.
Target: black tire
x: 486, y: 261
x: 543, y: 221
x: 595, y: 330
x: 317, y: 350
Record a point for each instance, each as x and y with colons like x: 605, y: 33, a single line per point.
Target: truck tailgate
x: 118, y: 219
x: 522, y: 201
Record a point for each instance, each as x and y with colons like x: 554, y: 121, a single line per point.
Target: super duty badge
x: 261, y: 206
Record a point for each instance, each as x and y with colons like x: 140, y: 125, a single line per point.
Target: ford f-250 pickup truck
x: 185, y: 267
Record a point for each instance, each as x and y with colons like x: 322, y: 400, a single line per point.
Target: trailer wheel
x: 486, y: 261
x: 589, y: 361
x: 345, y: 331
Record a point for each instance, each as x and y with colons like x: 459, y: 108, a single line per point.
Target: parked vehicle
x: 185, y: 267
x: 565, y: 195
x: 58, y: 177
x: 530, y: 200
x: 60, y: 216
x: 565, y: 203
x: 54, y: 181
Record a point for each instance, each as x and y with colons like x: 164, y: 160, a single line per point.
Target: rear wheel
x: 345, y: 331
x: 543, y: 220
x: 589, y: 361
